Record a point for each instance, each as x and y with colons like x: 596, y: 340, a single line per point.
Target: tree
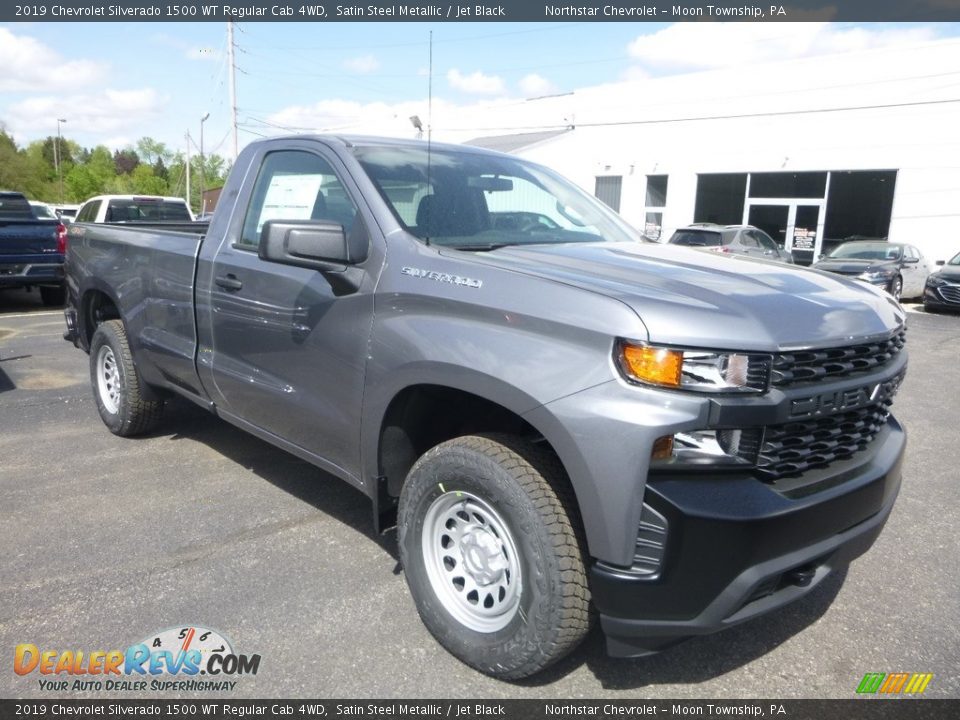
x: 146, y: 183
x: 125, y: 161
x: 93, y: 177
x: 151, y: 150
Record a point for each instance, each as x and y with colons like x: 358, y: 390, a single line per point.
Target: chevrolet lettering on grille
x: 834, y: 402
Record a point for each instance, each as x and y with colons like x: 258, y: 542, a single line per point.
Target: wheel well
x: 95, y: 308
x: 423, y: 416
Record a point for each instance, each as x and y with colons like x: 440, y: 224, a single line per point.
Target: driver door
x: 286, y: 349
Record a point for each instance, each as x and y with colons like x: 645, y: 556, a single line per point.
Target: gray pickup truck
x: 564, y: 422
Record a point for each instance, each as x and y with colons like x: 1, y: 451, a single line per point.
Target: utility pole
x: 233, y: 84
x: 189, y: 203
x: 56, y: 158
x: 203, y: 179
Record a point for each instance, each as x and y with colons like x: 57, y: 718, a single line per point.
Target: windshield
x: 955, y: 260
x: 867, y: 251
x: 475, y: 201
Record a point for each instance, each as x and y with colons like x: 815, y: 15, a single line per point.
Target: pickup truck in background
x: 134, y: 208
x: 564, y: 422
x: 31, y: 249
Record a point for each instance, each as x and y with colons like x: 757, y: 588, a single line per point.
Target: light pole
x: 56, y: 158
x: 203, y: 178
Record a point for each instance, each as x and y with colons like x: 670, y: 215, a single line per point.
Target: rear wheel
x: 489, y: 543
x: 126, y: 404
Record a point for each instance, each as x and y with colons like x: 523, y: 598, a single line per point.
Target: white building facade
x: 814, y: 151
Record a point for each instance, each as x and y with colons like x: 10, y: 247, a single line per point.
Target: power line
x: 698, y: 118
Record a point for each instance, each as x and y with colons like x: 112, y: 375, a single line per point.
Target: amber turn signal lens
x: 653, y: 365
x: 662, y: 448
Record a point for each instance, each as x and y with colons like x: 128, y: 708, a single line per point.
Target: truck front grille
x: 806, y: 366
x: 795, y: 447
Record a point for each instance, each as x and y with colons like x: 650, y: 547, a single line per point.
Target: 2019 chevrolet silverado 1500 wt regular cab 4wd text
x: 560, y: 417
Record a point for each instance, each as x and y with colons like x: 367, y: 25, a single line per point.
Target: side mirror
x: 317, y: 244
x: 941, y: 262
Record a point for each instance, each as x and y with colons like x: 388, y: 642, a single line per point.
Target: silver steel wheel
x: 108, y: 379
x: 472, y: 562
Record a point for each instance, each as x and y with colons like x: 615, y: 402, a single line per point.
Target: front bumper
x: 943, y: 297
x: 737, y: 548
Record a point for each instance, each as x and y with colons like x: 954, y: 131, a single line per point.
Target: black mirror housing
x: 306, y: 243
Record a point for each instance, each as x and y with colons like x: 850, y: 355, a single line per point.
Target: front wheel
x: 896, y: 287
x: 126, y: 404
x: 489, y: 543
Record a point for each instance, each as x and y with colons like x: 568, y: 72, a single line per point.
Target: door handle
x: 228, y: 282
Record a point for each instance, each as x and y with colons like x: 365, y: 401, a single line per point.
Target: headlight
x: 875, y: 275
x: 935, y: 281
x: 695, y: 370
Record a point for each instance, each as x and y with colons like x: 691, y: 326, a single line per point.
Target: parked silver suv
x: 734, y: 239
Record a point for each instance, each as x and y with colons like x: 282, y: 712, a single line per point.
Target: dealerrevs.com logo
x: 176, y: 659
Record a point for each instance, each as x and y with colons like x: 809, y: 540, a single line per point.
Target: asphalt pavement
x: 106, y: 542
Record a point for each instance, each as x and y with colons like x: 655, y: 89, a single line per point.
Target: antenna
x: 429, y: 118
x: 430, y: 91
x: 233, y: 84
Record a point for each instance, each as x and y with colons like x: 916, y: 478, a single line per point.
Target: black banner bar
x: 854, y: 709
x: 505, y: 10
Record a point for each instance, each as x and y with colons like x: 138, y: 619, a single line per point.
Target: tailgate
x: 27, y: 237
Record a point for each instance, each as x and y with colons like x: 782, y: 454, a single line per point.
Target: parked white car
x: 134, y: 208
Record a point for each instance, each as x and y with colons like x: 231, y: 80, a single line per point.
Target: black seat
x: 454, y: 214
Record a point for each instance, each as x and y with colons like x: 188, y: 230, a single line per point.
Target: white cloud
x: 30, y: 66
x: 363, y: 65
x: 476, y: 83
x: 207, y: 53
x: 635, y: 72
x: 706, y: 46
x: 533, y: 85
x: 335, y: 115
x: 104, y: 113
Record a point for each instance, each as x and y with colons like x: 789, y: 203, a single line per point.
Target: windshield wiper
x: 486, y: 247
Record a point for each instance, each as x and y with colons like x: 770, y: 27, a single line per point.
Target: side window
x: 88, y: 213
x: 747, y: 240
x: 766, y: 242
x: 295, y: 185
x: 912, y: 252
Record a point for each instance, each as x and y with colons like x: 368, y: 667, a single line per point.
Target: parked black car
x: 733, y: 239
x: 898, y: 268
x: 942, y: 291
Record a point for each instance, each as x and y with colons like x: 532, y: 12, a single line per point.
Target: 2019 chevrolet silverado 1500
x: 31, y: 249
x: 560, y: 417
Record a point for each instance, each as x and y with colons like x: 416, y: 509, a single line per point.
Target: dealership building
x: 816, y: 150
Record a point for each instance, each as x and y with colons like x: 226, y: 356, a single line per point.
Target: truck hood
x: 694, y: 299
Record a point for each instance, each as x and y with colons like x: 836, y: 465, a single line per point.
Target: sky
x: 116, y: 82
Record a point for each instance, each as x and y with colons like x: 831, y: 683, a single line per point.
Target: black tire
x: 896, y: 288
x: 498, y: 489
x: 126, y: 404
x: 53, y: 295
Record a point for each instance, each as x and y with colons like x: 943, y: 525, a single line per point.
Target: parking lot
x: 109, y: 541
